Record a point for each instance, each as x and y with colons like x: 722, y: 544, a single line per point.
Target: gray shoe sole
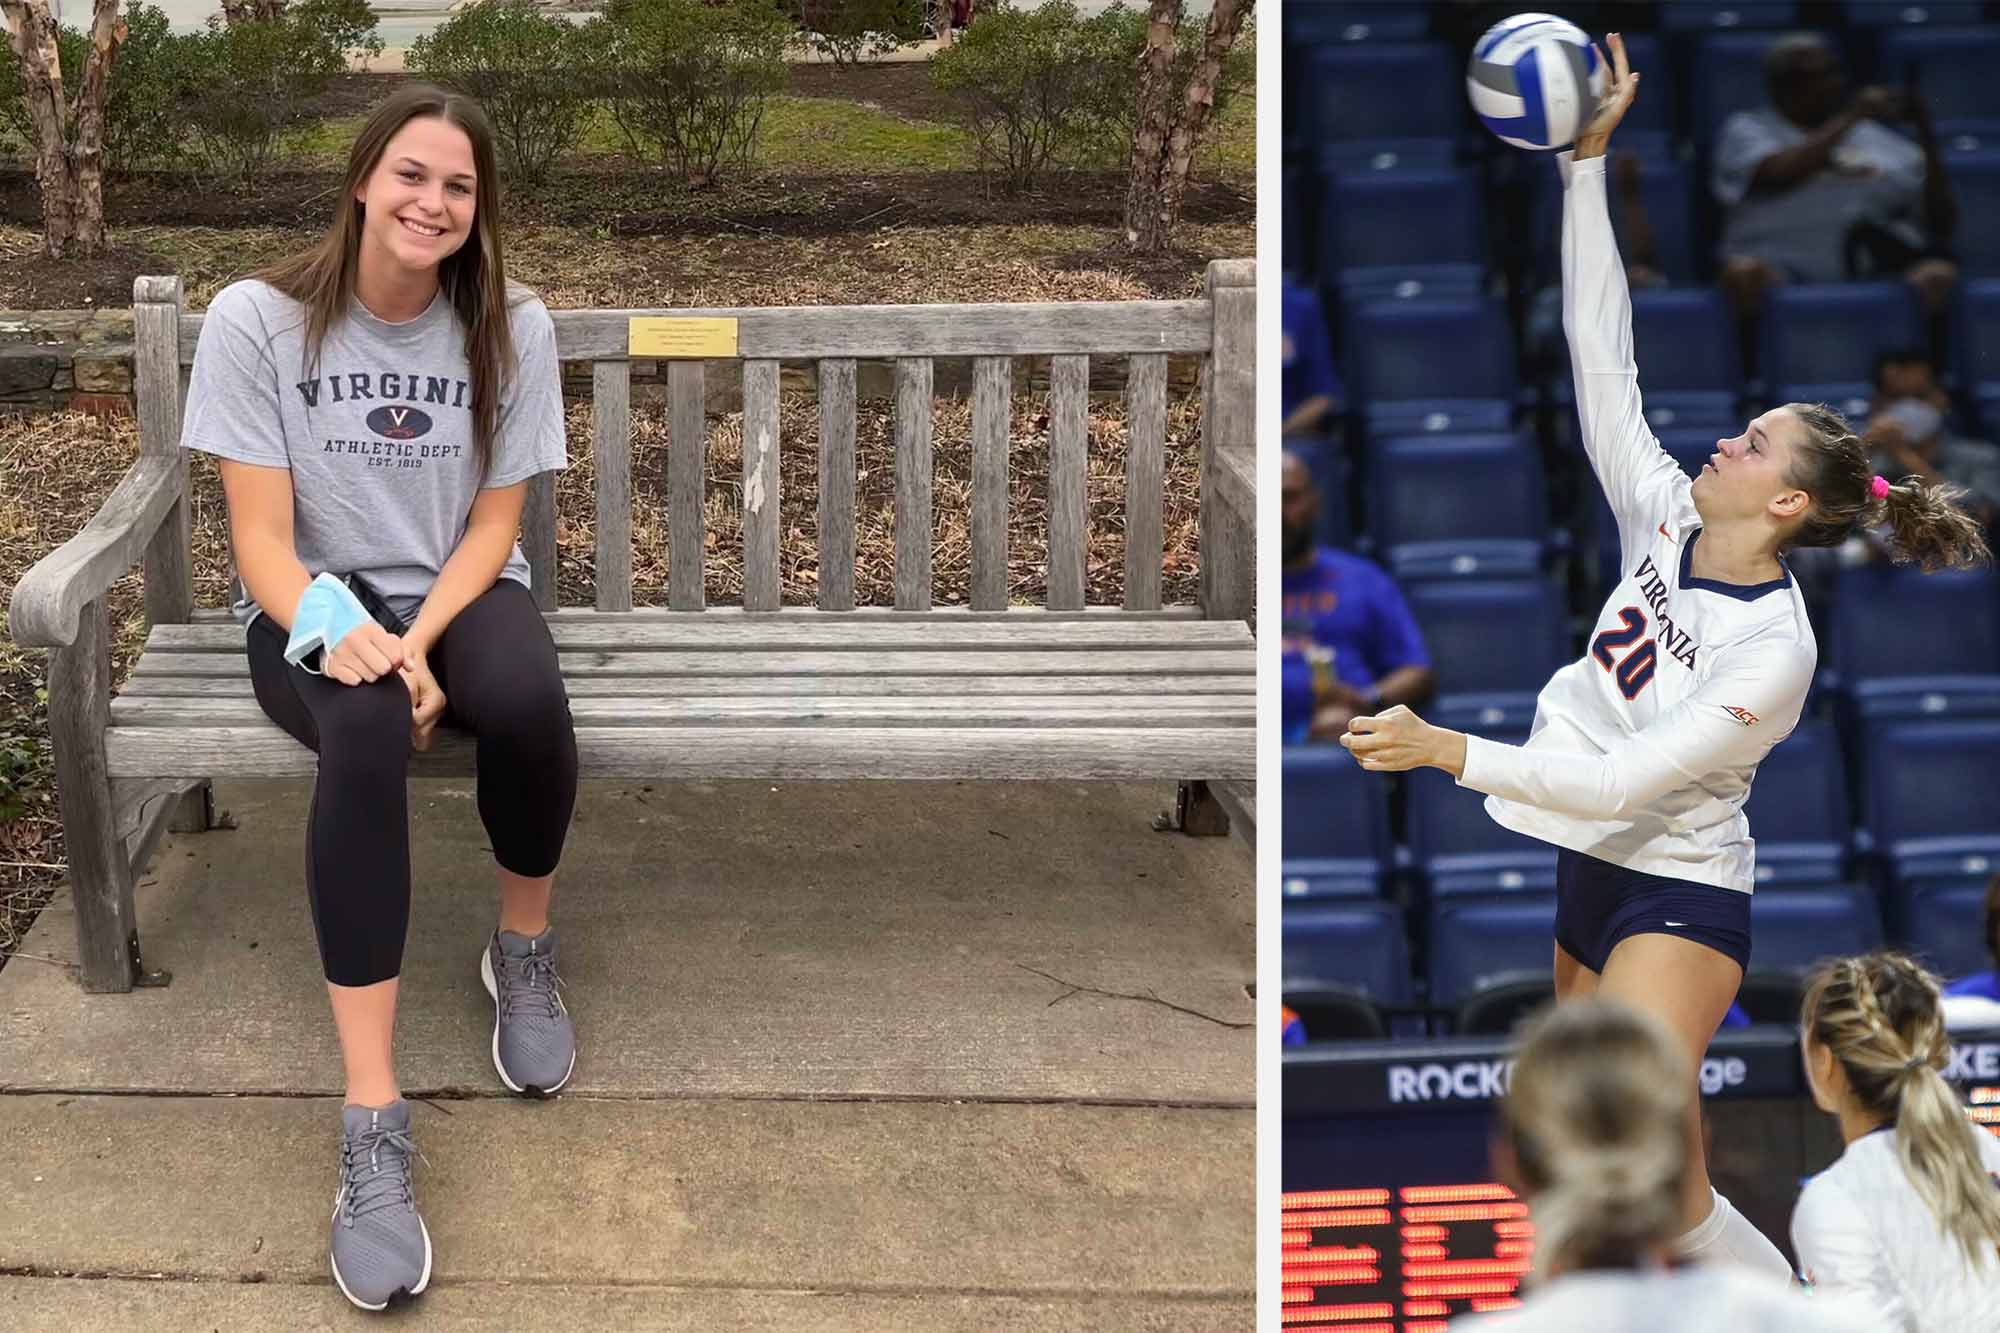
x: 493, y: 990
x: 423, y: 1279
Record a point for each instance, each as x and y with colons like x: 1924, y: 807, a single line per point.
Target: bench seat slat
x: 715, y: 687
x: 238, y: 708
x: 698, y: 753
x: 856, y: 663
x: 797, y: 615
x: 620, y: 634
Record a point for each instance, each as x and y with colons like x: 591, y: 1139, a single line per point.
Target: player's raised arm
x: 1597, y: 315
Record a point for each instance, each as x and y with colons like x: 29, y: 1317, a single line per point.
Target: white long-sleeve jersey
x: 1643, y: 750
x: 1863, y: 1232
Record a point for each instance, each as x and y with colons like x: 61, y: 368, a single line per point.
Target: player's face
x: 1747, y: 472
x: 418, y: 202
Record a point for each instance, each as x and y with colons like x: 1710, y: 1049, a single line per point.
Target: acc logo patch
x: 399, y: 423
x: 1743, y: 715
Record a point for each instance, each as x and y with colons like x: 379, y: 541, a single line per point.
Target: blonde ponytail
x: 1595, y: 1111
x: 1882, y: 1017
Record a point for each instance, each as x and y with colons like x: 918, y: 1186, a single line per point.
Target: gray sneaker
x: 380, y: 1246
x: 534, y: 1042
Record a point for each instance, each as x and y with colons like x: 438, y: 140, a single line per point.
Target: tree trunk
x: 70, y: 174
x: 1165, y: 135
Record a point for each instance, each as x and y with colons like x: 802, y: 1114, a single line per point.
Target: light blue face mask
x: 326, y: 613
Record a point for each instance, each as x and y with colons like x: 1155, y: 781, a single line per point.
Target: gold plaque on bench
x: 680, y: 336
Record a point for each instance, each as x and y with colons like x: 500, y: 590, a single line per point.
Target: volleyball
x: 1534, y: 80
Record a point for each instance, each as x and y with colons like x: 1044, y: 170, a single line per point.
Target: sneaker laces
x: 370, y: 1187
x: 528, y: 985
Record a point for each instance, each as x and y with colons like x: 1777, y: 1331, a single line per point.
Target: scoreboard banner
x: 1364, y: 1077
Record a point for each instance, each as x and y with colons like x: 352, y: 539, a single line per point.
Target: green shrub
x: 524, y: 67
x: 686, y: 81
x: 846, y: 30
x: 1024, y: 84
x: 139, y: 124
x: 243, y: 87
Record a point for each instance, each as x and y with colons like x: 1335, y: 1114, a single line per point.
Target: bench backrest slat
x: 1145, y: 479
x: 992, y: 400
x: 913, y: 483
x: 687, y: 449
x: 836, y: 484
x: 538, y: 537
x: 760, y: 485
x: 611, y: 455
x: 1069, y: 430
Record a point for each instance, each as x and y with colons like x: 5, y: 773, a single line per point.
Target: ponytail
x: 1882, y: 1017
x: 1831, y: 465
x: 1595, y: 1112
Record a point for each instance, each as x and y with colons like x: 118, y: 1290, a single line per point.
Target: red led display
x: 1434, y: 1250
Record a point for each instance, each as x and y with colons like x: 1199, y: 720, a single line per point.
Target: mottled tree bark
x: 1168, y: 130
x: 69, y: 168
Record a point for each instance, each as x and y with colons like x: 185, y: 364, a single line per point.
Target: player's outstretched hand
x: 1618, y: 95
x: 1392, y: 741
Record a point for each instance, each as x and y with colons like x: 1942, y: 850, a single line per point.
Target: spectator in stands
x: 1986, y: 985
x: 1591, y: 1134
x: 1818, y: 189
x: 1908, y: 1219
x: 1906, y: 432
x: 1312, y: 397
x: 1351, y: 646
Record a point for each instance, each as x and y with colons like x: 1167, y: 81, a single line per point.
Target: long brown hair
x: 1883, y: 1019
x: 1595, y: 1113
x: 1832, y: 467
x: 473, y: 277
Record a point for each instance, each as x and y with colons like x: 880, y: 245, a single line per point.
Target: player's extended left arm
x: 1731, y: 721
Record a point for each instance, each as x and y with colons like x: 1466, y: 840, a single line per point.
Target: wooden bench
x: 1061, y: 691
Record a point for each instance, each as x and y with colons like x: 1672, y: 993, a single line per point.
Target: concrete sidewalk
x: 852, y: 1054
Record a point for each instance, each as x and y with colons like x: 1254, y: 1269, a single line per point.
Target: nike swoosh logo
x: 1664, y: 533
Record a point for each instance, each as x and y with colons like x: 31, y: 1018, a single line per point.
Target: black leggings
x: 497, y: 667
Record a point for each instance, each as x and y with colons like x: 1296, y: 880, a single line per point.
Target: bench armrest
x: 1235, y: 485
x: 47, y: 602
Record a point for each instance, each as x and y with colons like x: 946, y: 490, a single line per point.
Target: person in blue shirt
x: 1312, y: 390
x: 1985, y: 985
x: 1351, y: 647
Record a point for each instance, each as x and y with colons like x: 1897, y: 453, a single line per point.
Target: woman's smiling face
x: 418, y: 203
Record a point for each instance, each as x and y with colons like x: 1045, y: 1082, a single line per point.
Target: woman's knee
x: 367, y: 724
x: 533, y: 714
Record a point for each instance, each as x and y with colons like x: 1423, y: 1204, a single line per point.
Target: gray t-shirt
x: 378, y: 435
x: 1874, y: 173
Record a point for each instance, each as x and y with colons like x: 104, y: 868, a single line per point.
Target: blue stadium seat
x: 1361, y: 91
x: 1493, y: 643
x: 1798, y: 808
x: 1955, y: 70
x: 1792, y: 928
x: 1456, y: 846
x: 1314, y: 21
x: 1438, y: 416
x: 1458, y: 505
x: 1686, y: 15
x: 1820, y: 340
x: 1975, y: 183
x: 1336, y: 813
x: 1296, y: 253
x: 1941, y: 919
x: 1380, y: 229
x: 1431, y: 349
x: 1975, y: 339
x: 1352, y: 945
x: 1890, y: 622
x: 1901, y: 13
x: 1692, y: 446
x: 1384, y: 154
x: 1477, y: 940
x: 1928, y: 790
x: 1311, y: 880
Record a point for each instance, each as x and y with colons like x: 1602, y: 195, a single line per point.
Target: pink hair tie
x: 1879, y: 487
